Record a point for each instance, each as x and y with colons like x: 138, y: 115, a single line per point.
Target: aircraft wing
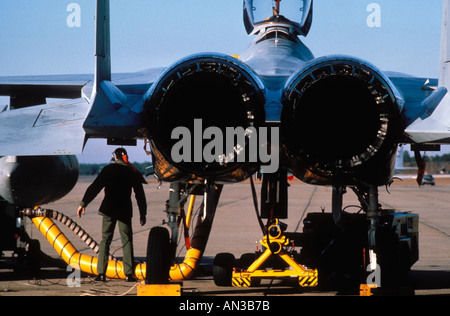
x: 44, y: 130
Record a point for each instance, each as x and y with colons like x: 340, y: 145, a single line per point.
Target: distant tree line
x: 94, y: 169
x: 429, y: 157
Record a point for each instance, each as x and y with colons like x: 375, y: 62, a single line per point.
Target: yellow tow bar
x: 275, y: 242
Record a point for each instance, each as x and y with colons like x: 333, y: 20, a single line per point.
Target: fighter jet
x: 331, y: 121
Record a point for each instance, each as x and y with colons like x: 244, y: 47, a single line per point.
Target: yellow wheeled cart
x: 275, y: 244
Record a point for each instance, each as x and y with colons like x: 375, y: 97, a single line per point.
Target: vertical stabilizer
x: 102, y: 45
x: 444, y: 65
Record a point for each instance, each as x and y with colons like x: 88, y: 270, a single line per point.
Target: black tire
x: 158, y: 256
x: 223, y: 269
x: 246, y: 260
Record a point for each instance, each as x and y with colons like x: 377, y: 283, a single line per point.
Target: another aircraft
x: 333, y: 120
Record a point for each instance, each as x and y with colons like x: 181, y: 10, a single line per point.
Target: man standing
x: 118, y: 179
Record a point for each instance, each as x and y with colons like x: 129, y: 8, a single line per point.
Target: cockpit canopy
x: 296, y: 13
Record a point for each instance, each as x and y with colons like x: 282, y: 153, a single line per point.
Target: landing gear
x: 158, y: 256
x: 162, y: 243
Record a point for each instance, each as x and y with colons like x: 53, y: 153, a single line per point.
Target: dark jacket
x: 118, y: 180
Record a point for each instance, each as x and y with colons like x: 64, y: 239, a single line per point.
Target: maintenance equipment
x: 342, y: 255
x: 275, y: 244
x: 279, y: 259
x: 17, y: 250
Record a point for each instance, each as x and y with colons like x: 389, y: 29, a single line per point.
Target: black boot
x: 130, y: 278
x: 101, y: 278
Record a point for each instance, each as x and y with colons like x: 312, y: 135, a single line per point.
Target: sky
x: 37, y: 40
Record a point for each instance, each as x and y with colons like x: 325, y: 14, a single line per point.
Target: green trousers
x: 126, y: 234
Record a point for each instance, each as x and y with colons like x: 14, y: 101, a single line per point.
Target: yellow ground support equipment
x: 367, y: 289
x: 173, y: 289
x: 275, y: 244
x: 42, y: 219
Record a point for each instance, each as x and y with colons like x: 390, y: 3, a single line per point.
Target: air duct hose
x: 88, y: 264
x: 186, y: 269
x: 72, y: 257
x: 72, y: 225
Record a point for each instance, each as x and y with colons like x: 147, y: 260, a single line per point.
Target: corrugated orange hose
x: 72, y: 257
x: 88, y: 264
x: 185, y: 270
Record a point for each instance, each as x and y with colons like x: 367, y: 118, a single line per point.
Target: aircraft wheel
x: 158, y: 256
x: 223, y: 269
x: 246, y: 260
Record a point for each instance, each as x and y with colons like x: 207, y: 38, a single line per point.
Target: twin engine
x: 205, y: 117
x: 339, y: 120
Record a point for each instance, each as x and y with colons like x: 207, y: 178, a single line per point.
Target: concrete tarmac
x: 236, y: 230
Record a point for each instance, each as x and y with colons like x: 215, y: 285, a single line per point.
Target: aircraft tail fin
x: 444, y: 65
x: 102, y: 45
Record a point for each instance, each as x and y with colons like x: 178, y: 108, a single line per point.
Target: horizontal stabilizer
x: 44, y: 129
x: 57, y: 81
x: 434, y: 128
x: 34, y: 90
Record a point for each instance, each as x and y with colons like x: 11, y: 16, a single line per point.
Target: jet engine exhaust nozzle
x: 216, y: 90
x: 338, y: 114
